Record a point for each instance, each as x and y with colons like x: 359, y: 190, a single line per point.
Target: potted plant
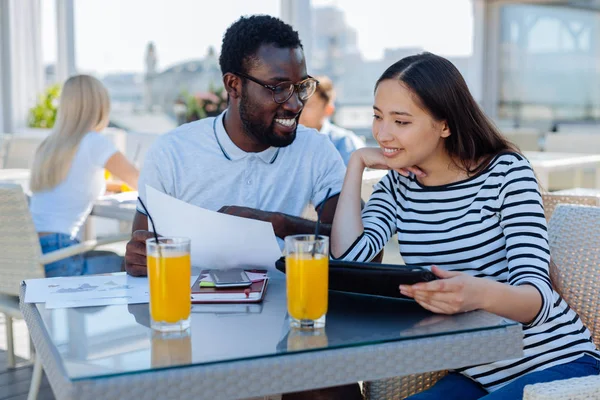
x: 43, y: 114
x: 203, y: 104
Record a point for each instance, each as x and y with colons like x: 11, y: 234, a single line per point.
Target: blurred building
x: 193, y: 76
x: 126, y: 90
x: 534, y: 62
x: 151, y: 63
x: 299, y: 14
x: 333, y: 40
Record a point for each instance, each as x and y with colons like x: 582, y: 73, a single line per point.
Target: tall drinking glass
x: 169, y: 274
x: 307, y: 275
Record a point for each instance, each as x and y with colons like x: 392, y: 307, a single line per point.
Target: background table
x: 544, y: 163
x: 114, y: 207
x: 16, y: 175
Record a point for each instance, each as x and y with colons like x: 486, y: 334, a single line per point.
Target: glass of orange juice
x: 307, y: 275
x: 169, y: 274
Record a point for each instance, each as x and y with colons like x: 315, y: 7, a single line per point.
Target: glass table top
x: 106, y: 341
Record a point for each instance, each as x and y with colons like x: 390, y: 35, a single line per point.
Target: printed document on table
x: 86, y: 287
x: 218, y: 241
x: 89, y: 290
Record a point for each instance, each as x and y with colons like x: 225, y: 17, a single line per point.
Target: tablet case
x: 371, y: 278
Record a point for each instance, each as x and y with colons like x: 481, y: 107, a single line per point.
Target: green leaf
x: 43, y: 114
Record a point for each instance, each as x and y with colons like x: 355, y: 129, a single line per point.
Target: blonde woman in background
x: 68, y: 175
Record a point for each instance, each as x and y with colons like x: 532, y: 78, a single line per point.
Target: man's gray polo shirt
x: 199, y: 164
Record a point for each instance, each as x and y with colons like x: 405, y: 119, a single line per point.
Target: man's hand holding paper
x: 218, y: 240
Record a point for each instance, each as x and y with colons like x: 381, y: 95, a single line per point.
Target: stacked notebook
x: 204, y: 291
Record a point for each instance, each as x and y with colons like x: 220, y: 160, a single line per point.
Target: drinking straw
x: 153, y: 227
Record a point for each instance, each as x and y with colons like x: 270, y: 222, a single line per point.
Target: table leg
x: 10, y: 343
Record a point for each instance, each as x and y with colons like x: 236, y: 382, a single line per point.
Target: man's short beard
x: 257, y: 130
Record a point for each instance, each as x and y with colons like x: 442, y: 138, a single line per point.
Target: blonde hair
x: 84, y: 106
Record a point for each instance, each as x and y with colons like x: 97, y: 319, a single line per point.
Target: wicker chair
x: 21, y: 258
x: 401, y: 387
x: 551, y: 200
x: 574, y: 234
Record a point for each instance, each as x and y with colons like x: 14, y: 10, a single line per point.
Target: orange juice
x: 170, y: 291
x: 307, y: 284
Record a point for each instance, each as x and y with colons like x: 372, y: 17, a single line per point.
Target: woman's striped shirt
x: 491, y: 225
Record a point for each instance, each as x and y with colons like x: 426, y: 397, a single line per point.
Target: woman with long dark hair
x: 465, y: 203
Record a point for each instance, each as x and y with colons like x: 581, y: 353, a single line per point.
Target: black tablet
x: 371, y: 278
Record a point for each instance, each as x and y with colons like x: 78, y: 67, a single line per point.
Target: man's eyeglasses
x: 284, y: 90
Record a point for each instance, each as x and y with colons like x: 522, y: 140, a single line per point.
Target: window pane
x: 550, y: 64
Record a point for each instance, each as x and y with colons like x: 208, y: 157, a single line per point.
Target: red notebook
x: 252, y: 294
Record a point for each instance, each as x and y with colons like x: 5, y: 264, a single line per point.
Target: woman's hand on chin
x: 372, y: 157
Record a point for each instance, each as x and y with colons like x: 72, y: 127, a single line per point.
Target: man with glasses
x: 254, y: 160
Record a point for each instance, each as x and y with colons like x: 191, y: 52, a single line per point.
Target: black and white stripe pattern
x: 491, y: 225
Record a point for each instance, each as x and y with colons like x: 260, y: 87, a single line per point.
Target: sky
x: 111, y: 35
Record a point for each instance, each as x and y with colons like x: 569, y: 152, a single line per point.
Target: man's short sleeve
x: 329, y: 170
x: 156, y: 172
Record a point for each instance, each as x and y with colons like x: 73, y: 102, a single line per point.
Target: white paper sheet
x: 85, y: 287
x: 218, y: 241
x: 94, y: 302
x: 89, y: 290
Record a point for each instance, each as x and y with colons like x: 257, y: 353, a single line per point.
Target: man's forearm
x: 285, y: 225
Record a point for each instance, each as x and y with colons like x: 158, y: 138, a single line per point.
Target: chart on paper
x: 90, y: 290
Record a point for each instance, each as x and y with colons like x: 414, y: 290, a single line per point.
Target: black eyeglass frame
x: 273, y: 88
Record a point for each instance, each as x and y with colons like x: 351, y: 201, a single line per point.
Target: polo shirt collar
x: 234, y: 153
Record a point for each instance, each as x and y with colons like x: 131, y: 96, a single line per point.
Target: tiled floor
x: 14, y: 383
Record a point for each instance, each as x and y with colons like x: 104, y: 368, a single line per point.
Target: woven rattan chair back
x: 551, y: 200
x: 574, y: 235
x: 20, y: 250
x: 400, y: 387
